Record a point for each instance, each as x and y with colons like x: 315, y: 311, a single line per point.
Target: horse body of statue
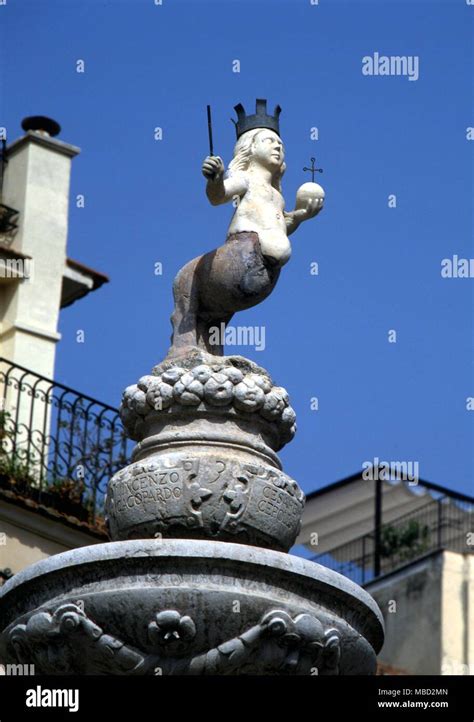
x: 244, y: 270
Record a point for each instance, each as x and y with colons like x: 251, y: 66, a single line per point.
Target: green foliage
x: 4, y: 433
x: 16, y: 469
x: 404, y: 542
x: 71, y: 490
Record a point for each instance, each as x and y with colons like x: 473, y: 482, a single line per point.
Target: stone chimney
x: 36, y: 277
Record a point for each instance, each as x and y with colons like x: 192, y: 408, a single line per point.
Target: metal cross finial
x: 313, y: 170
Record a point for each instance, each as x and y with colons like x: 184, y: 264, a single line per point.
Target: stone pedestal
x: 205, y: 466
x: 197, y: 579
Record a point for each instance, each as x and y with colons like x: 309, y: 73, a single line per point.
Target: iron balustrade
x: 57, y: 446
x: 436, y: 525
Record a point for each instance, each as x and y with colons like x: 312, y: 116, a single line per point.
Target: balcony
x: 58, y: 447
x: 439, y: 524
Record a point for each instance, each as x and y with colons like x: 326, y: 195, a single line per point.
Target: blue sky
x: 379, y: 267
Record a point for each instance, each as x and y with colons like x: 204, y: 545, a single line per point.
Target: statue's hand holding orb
x: 212, y: 167
x: 310, y: 198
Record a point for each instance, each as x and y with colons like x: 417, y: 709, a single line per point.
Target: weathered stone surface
x: 200, y: 385
x: 244, y: 270
x: 197, y: 492
x: 205, y: 465
x: 186, y: 607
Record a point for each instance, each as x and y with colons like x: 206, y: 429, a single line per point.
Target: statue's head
x: 260, y: 146
x: 267, y: 150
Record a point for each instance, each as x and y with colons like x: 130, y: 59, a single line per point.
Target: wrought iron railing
x: 437, y: 525
x: 57, y: 446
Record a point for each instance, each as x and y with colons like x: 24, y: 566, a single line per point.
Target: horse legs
x: 211, y: 333
x: 186, y: 303
x: 211, y: 288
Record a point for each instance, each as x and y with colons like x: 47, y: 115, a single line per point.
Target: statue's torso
x: 261, y: 210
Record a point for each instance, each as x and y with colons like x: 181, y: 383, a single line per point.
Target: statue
x: 244, y: 270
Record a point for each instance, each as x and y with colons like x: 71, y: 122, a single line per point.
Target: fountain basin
x: 179, y: 606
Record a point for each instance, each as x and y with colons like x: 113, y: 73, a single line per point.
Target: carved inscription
x: 279, y: 505
x: 223, y: 497
x: 152, y: 483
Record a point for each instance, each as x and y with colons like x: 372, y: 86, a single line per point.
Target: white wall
x: 36, y: 183
x: 428, y: 608
x: 29, y: 537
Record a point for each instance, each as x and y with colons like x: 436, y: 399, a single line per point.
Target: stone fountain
x: 197, y: 578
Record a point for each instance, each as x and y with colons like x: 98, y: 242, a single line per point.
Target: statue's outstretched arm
x: 294, y: 218
x: 219, y: 189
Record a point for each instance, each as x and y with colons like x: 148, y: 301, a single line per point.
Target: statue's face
x: 268, y: 150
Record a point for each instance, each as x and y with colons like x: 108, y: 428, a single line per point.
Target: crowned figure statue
x: 244, y: 270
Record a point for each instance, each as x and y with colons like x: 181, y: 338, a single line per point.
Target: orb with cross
x: 310, y: 191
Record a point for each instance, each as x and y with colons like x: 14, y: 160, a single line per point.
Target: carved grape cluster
x: 224, y: 386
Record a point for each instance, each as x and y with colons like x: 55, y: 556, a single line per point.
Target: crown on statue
x: 261, y: 119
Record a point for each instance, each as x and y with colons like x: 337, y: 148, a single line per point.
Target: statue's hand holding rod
x: 213, y: 167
